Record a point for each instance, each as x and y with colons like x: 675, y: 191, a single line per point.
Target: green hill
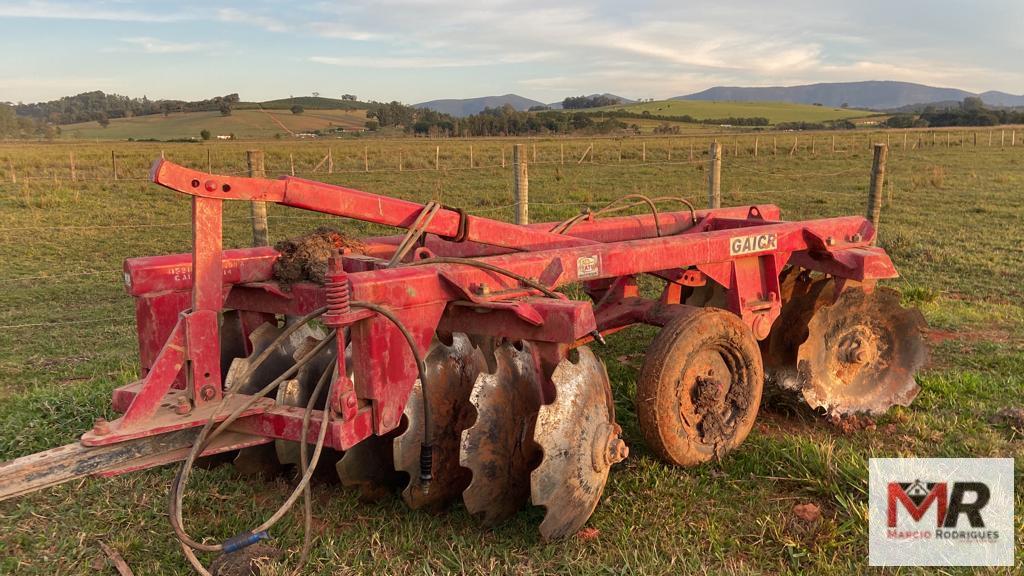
x: 775, y: 112
x: 244, y: 123
x: 308, y: 102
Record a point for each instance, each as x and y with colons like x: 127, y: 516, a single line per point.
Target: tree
x: 225, y: 109
x: 844, y: 105
x: 348, y: 97
x: 972, y: 104
x: 297, y: 109
x: 372, y: 125
x: 102, y: 119
x: 204, y: 134
x: 316, y: 94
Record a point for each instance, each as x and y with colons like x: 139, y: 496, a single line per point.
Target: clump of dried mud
x: 304, y: 258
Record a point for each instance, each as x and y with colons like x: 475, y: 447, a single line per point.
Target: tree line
x: 507, y: 121
x: 971, y: 112
x: 14, y: 126
x: 100, y: 107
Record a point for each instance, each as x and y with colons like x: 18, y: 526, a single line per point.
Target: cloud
x: 150, y: 45
x: 267, y: 23
x: 83, y: 11
x: 397, y: 62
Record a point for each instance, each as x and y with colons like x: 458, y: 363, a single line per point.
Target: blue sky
x: 413, y: 50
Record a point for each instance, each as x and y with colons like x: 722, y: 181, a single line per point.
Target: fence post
x: 400, y: 160
x: 813, y: 153
x: 330, y: 161
x: 71, y: 159
x: 775, y: 146
x: 291, y: 163
x: 366, y: 158
x: 1002, y: 138
x: 755, y: 146
x: 521, y: 182
x: 877, y: 185
x: 904, y: 140
x: 534, y: 151
x: 1013, y: 138
x: 691, y: 149
x: 503, y: 156
x: 437, y: 157
x: 10, y: 166
x: 715, y: 176
x: 561, y: 153
x: 258, y: 209
x: 470, y: 155
x: 643, y: 152
x: 113, y: 164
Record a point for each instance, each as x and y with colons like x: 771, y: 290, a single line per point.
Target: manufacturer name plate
x: 754, y: 243
x: 588, y: 266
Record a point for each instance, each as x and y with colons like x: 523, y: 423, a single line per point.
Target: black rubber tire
x: 699, y: 338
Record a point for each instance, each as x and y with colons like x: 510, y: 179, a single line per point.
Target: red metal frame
x: 180, y: 298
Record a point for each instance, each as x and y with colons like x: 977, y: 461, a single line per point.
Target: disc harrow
x: 445, y: 365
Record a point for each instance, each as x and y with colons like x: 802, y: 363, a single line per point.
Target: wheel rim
x: 713, y: 396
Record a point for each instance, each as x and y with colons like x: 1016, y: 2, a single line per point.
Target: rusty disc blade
x: 497, y: 448
x: 861, y: 353
x: 368, y: 467
x: 452, y: 369
x: 262, y: 460
x: 297, y: 391
x: 580, y: 441
x: 802, y: 295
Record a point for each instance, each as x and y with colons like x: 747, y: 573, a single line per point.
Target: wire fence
x: 97, y: 163
x: 753, y: 150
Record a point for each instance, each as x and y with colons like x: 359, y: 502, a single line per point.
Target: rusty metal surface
x: 803, y: 294
x: 700, y: 387
x: 263, y: 460
x: 861, y: 353
x: 368, y: 467
x: 580, y: 442
x: 497, y: 448
x: 452, y: 369
x: 297, y: 391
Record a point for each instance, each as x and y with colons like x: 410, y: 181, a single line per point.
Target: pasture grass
x: 956, y: 240
x: 775, y: 112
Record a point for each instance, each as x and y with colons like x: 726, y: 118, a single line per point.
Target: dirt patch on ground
x: 304, y: 258
x: 850, y: 423
x: 1012, y: 416
x: 245, y: 562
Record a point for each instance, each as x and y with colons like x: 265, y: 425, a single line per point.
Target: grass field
x: 951, y: 221
x: 775, y: 112
x: 248, y: 124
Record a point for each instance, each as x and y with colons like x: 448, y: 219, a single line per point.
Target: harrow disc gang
x: 244, y: 377
x: 498, y: 448
x: 580, y: 442
x: 451, y: 370
x: 861, y: 353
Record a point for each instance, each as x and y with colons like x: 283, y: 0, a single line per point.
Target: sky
x: 416, y: 50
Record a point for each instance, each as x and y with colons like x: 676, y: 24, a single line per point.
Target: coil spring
x: 338, y: 298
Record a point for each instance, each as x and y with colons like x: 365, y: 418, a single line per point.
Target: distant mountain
x: 467, y: 106
x: 997, y: 98
x: 875, y: 94
x: 558, y: 105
